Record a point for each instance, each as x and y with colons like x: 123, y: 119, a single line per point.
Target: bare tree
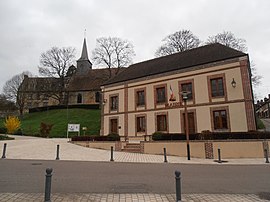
x: 56, y: 61
x: 255, y: 78
x: 113, y: 52
x: 227, y: 38
x: 6, y: 105
x: 11, y: 90
x: 178, y: 42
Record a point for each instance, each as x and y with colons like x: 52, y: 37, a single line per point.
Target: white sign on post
x: 73, y: 128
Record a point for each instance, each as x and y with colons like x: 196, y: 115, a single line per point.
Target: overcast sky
x: 30, y: 27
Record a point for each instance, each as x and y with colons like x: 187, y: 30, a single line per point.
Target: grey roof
x: 84, y: 55
x: 182, y: 60
x: 41, y: 84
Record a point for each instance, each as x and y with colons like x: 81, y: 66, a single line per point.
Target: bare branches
x: 55, y: 62
x: 228, y: 39
x: 113, y: 52
x: 178, y: 42
x: 11, y: 90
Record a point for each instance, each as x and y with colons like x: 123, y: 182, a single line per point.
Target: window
x: 160, y: 95
x: 187, y: 87
x: 97, y: 97
x: 220, y: 119
x: 79, y: 98
x: 114, y: 102
x: 140, y: 98
x: 141, y: 124
x: 217, y: 88
x: 114, y: 126
x: 161, y: 123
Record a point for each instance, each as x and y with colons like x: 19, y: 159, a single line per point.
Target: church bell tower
x: 83, y: 64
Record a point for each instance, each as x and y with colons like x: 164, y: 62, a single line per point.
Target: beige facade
x: 234, y: 106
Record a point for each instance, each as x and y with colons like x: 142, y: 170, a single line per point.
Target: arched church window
x: 79, y: 98
x: 97, y: 97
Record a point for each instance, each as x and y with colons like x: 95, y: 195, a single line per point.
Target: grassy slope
x: 60, y: 118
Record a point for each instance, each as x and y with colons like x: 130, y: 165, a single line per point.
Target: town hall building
x: 147, y: 97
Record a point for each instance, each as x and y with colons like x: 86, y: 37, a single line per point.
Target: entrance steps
x: 132, y: 147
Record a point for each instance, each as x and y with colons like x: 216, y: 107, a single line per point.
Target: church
x: 81, y: 87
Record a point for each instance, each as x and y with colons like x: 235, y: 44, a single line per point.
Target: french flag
x: 172, y: 97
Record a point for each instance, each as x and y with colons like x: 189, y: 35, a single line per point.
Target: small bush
x: 113, y: 137
x: 3, y: 130
x: 18, y: 132
x: 45, y: 129
x: 4, y: 137
x: 208, y: 135
x: 110, y: 137
x: 12, y: 123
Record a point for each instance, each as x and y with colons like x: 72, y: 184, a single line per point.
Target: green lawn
x: 30, y: 123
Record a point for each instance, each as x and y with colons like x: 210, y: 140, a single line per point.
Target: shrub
x: 12, y: 123
x: 18, y: 132
x: 45, y: 129
x: 208, y: 135
x: 3, y: 130
x: 113, y: 137
x: 110, y: 137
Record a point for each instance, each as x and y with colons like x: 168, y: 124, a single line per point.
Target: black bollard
x: 4, y: 151
x: 111, y: 154
x: 57, y: 152
x: 48, y: 183
x: 165, y: 155
x: 219, y: 156
x: 178, y: 185
x: 266, y: 156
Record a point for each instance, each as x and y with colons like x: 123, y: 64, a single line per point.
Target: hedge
x: 110, y: 137
x: 207, y: 135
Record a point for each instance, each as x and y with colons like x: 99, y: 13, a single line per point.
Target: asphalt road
x: 28, y: 176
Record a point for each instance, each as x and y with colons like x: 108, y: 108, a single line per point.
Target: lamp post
x: 185, y: 98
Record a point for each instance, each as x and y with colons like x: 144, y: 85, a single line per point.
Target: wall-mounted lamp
x: 233, y: 83
x: 104, y: 101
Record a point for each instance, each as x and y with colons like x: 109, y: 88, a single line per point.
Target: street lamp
x: 185, y: 98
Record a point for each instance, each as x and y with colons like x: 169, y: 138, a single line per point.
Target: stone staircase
x: 132, y: 147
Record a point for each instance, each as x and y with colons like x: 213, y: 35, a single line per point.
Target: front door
x: 191, y: 122
x: 114, y: 126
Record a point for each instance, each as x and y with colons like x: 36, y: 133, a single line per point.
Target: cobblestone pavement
x: 23, y: 197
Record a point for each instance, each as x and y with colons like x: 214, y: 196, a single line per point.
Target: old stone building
x: 81, y: 86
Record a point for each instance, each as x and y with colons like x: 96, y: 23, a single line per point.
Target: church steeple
x: 83, y: 64
x: 84, y: 55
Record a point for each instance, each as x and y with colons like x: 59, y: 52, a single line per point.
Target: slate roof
x: 190, y: 58
x: 91, y: 81
x: 41, y: 84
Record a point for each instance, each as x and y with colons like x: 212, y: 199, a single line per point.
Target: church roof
x: 182, y: 60
x: 41, y: 84
x: 92, y: 80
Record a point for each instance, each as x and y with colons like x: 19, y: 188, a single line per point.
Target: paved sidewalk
x: 45, y: 149
x: 24, y: 147
x: 141, y: 197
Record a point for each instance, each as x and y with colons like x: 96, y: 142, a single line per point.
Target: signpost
x: 73, y: 128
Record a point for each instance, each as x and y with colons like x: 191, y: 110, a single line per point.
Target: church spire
x: 83, y: 64
x: 84, y: 55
